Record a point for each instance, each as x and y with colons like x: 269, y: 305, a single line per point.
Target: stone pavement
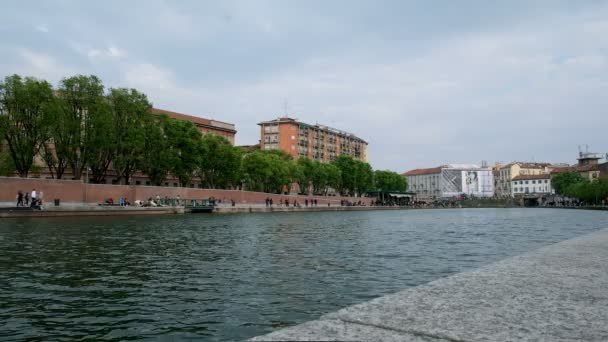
x: 556, y: 293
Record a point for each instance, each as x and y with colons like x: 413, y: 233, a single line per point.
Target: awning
x: 399, y: 195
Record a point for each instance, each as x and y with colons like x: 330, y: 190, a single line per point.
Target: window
x: 526, y: 182
x: 533, y: 182
x: 545, y: 181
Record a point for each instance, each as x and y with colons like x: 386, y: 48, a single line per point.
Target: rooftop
x: 196, y: 120
x: 428, y: 171
x: 527, y: 165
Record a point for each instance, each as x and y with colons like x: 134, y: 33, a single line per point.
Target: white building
x: 451, y: 180
x: 531, y: 185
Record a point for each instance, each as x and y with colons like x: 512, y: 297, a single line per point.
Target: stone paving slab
x: 556, y: 293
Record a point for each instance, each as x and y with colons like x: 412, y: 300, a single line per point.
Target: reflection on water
x: 236, y: 276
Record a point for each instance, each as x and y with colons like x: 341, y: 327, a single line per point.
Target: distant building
x: 206, y: 126
x: 316, y: 142
x: 451, y: 180
x: 588, y: 166
x: 504, y: 174
x: 531, y: 185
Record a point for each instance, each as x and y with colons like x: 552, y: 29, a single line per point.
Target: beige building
x: 504, y: 174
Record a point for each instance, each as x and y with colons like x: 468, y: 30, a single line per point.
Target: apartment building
x: 316, y: 142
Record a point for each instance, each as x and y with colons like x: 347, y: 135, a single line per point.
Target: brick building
x: 316, y: 142
x: 224, y: 129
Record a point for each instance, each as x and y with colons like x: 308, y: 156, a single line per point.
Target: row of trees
x: 80, y: 127
x: 573, y: 185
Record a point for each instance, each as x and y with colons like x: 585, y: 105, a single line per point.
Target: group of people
x: 27, y: 199
x: 150, y: 202
x: 307, y: 202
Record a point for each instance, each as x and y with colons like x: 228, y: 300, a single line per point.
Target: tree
x: 52, y: 152
x: 364, y: 177
x: 307, y: 174
x: 100, y: 142
x: 23, y: 120
x: 333, y: 177
x: 157, y: 155
x: 256, y: 170
x: 129, y: 110
x: 347, y: 168
x: 562, y: 181
x: 184, y: 142
x: 385, y: 180
x: 356, y: 176
x: 219, y: 163
x: 82, y: 101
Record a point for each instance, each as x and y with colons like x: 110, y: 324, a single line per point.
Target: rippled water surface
x: 213, y: 277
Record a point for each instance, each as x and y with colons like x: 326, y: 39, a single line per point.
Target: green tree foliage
x: 100, y: 142
x: 23, y: 120
x: 184, y: 143
x: 129, y: 109
x: 83, y: 109
x: 157, y: 156
x: 592, y: 192
x: 562, y: 181
x: 7, y: 167
x: 385, y: 180
x: 356, y: 178
x: 54, y: 151
x: 219, y: 163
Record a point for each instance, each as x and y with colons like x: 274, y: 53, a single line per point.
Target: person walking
x: 20, y: 198
x: 33, y: 198
x: 26, y: 199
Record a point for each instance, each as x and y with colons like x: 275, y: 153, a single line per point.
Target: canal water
x: 225, y: 278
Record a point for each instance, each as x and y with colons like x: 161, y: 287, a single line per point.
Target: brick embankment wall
x: 78, y: 192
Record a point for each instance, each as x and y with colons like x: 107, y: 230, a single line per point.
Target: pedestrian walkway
x: 556, y: 293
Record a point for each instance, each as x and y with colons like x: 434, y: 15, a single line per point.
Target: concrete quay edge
x: 555, y: 293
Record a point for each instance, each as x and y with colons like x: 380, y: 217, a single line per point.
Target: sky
x: 424, y: 82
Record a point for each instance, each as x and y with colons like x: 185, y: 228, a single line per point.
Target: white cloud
x: 42, y: 65
x: 42, y: 28
x: 109, y: 52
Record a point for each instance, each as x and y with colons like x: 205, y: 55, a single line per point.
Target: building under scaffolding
x: 448, y: 181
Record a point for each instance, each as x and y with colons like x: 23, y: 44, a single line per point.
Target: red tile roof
x: 423, y: 171
x: 575, y: 168
x: 194, y: 119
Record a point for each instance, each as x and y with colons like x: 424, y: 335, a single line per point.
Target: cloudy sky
x: 425, y: 82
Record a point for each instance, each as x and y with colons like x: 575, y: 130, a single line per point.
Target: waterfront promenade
x: 556, y: 293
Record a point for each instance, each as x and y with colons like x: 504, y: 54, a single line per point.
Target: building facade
x: 206, y: 126
x: 524, y: 185
x: 316, y: 142
x: 504, y: 174
x: 588, y: 166
x: 449, y: 181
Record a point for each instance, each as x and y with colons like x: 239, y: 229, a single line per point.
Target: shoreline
x: 76, y: 210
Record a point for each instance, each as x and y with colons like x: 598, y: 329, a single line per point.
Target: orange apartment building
x: 316, y: 142
x: 224, y: 129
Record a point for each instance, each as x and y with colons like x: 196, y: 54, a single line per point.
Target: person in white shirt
x: 33, y: 194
